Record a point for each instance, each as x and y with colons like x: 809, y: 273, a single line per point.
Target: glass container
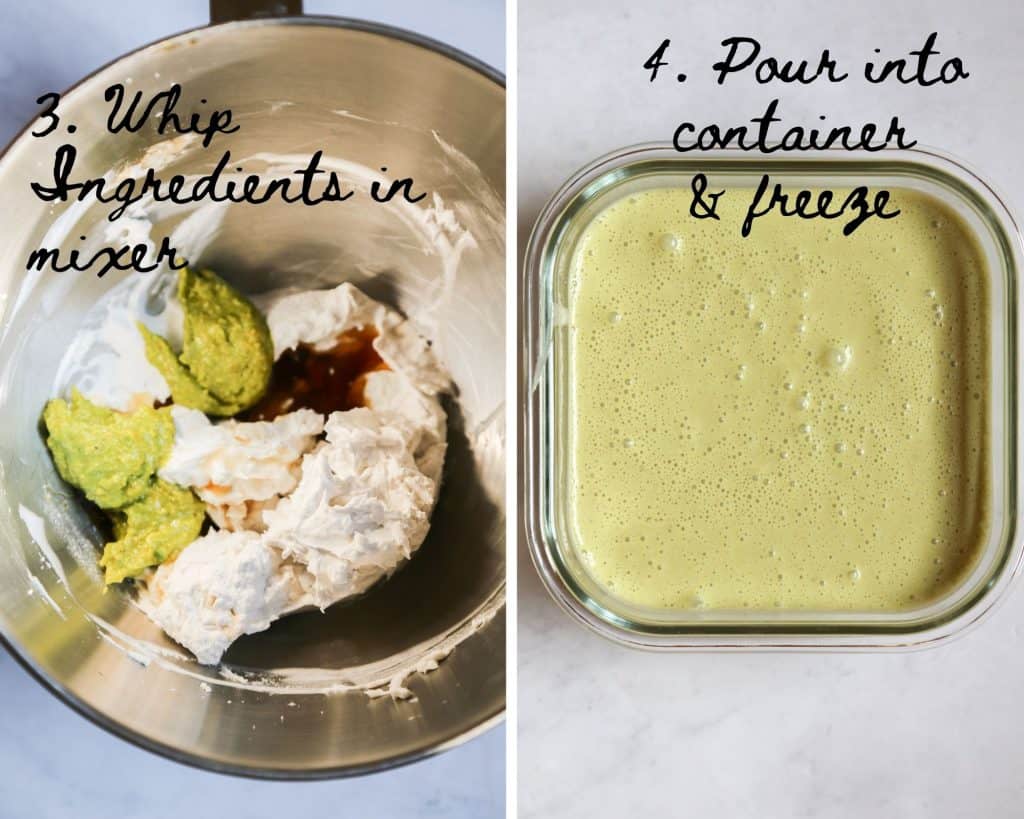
x: 546, y: 421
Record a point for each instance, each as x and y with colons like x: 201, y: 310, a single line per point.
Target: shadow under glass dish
x: 547, y: 273
x: 372, y: 96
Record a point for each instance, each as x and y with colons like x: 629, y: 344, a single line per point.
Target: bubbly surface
x: 793, y: 420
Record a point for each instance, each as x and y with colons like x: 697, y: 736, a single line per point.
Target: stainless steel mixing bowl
x: 277, y: 707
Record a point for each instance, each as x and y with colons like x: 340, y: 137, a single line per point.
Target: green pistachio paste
x: 152, y: 530
x: 111, y: 456
x: 227, y: 353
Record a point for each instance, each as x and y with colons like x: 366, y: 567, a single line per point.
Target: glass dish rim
x: 558, y: 580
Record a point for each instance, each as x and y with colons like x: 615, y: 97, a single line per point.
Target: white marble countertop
x: 605, y: 731
x: 56, y: 764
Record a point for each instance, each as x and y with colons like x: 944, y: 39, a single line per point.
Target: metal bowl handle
x: 226, y: 11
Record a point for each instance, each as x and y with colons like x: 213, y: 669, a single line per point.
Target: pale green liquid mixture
x: 796, y: 419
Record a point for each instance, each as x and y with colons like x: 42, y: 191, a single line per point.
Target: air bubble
x: 837, y: 357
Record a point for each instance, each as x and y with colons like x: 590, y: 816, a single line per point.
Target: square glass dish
x: 945, y: 467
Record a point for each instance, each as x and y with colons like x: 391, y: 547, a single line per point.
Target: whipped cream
x: 223, y: 585
x: 305, y: 524
x: 318, y: 317
x: 231, y: 465
x: 361, y: 508
x: 417, y: 417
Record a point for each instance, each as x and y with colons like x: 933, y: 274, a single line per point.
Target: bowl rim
x: 489, y: 719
